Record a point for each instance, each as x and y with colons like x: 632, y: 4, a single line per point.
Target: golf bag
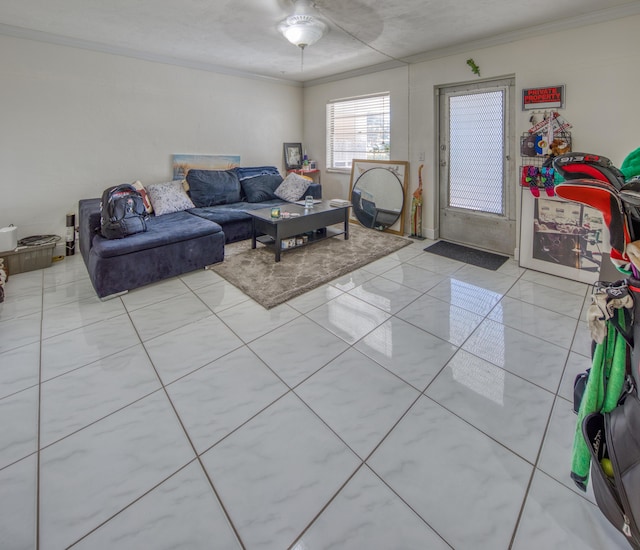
x: 613, y: 439
x: 573, y: 166
x: 607, y: 440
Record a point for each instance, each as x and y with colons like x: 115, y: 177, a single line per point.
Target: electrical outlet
x: 421, y: 157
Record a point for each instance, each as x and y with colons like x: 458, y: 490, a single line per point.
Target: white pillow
x: 143, y: 193
x: 293, y: 188
x: 168, y: 197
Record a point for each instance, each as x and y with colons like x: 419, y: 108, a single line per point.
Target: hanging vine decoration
x: 474, y: 68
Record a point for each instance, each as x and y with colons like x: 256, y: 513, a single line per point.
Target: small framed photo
x: 293, y: 156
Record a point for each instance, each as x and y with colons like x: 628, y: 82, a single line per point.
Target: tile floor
x: 417, y: 403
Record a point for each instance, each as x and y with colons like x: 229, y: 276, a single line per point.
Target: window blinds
x: 358, y: 128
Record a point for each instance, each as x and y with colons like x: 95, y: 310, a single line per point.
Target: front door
x: 477, y: 189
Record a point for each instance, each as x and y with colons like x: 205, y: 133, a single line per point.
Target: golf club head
x: 630, y: 196
x: 630, y: 192
x: 588, y: 166
x: 604, y: 198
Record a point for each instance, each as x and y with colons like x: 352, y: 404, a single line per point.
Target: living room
x: 81, y: 120
x: 182, y: 414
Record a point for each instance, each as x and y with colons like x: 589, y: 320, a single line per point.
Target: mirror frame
x: 400, y: 168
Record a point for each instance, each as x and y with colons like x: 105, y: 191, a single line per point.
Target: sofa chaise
x: 187, y: 228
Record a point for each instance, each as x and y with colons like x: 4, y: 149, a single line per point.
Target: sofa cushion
x: 211, y: 187
x: 169, y: 197
x: 224, y: 213
x: 161, y: 230
x: 293, y: 188
x: 253, y: 171
x: 261, y: 188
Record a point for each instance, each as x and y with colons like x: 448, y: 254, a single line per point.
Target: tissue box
x: 8, y: 238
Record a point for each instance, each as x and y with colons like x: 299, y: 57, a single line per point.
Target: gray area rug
x: 257, y: 274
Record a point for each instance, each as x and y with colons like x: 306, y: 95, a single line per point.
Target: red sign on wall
x: 549, y: 97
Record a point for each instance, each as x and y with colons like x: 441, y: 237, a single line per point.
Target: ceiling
x: 240, y: 36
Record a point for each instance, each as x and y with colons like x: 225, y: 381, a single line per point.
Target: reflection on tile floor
x: 416, y: 403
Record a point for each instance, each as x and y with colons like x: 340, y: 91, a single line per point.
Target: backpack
x: 122, y: 212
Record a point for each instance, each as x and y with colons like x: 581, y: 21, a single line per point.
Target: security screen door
x: 477, y: 188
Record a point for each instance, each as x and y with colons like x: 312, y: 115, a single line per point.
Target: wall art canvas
x: 563, y: 238
x: 183, y: 163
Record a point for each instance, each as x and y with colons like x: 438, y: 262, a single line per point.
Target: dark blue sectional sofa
x: 182, y: 241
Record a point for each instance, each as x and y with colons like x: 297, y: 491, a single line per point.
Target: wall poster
x: 548, y: 97
x: 183, y: 163
x: 562, y: 238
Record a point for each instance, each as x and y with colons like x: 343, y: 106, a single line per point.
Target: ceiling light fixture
x: 303, y: 28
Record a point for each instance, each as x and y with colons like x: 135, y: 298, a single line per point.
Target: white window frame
x: 358, y: 128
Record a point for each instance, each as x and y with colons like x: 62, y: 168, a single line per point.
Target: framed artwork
x: 293, y: 156
x: 377, y: 193
x: 562, y: 238
x: 183, y: 163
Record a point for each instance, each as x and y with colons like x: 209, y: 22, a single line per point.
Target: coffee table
x: 301, y: 220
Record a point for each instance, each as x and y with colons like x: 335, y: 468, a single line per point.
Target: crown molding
x: 392, y: 64
x: 600, y: 16
x: 50, y: 38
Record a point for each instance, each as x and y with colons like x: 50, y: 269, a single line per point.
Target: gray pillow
x: 293, y: 188
x: 168, y: 197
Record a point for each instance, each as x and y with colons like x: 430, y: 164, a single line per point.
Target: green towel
x: 609, y: 363
x: 631, y: 165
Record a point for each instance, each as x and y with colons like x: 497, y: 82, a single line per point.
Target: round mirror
x: 377, y: 198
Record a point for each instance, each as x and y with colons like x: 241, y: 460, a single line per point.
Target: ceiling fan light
x: 303, y: 34
x: 302, y: 28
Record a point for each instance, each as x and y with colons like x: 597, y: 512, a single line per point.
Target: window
x: 358, y: 128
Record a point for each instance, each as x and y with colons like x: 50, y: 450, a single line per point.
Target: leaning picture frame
x: 562, y: 238
x: 390, y: 212
x: 293, y: 156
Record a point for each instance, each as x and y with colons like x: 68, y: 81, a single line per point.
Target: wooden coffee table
x: 313, y: 221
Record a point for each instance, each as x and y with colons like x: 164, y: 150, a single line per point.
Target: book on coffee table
x: 339, y: 202
x: 302, y: 202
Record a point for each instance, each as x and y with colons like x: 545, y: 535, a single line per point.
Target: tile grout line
x: 130, y: 504
x: 39, y: 422
x: 544, y: 435
x: 542, y: 441
x: 186, y: 433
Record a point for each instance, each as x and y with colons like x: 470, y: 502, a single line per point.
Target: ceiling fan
x: 303, y: 27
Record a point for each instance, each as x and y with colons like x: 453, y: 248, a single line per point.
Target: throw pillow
x: 211, y: 187
x: 168, y: 197
x: 145, y: 197
x: 293, y: 188
x: 253, y: 171
x: 261, y: 188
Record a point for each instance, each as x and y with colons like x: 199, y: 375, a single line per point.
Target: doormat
x: 487, y: 260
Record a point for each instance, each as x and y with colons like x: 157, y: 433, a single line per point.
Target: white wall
x: 597, y: 63
x: 73, y: 122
